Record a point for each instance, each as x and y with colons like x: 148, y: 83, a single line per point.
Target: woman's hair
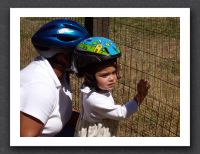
x: 89, y: 72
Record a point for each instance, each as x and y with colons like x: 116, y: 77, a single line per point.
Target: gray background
x: 5, y: 84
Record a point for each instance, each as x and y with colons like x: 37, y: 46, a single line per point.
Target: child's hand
x: 142, y: 91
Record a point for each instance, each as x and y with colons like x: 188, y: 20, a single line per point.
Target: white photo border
x: 183, y: 13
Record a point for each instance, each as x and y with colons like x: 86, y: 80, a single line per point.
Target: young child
x: 95, y: 59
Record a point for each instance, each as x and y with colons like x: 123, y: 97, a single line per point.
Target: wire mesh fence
x: 150, y: 50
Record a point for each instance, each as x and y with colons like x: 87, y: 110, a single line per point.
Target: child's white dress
x: 99, y: 115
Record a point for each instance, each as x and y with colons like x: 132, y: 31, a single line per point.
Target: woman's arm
x: 29, y: 126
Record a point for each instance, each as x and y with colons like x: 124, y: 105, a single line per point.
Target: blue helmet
x: 58, y: 36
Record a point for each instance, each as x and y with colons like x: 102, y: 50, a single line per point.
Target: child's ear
x: 118, y: 67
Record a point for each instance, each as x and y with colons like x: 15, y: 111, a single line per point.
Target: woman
x: 45, y: 105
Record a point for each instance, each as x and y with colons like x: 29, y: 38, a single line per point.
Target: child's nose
x: 111, y: 77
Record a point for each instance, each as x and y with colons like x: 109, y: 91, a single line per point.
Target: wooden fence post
x: 89, y: 24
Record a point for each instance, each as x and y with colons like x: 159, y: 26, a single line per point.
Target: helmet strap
x: 55, y: 63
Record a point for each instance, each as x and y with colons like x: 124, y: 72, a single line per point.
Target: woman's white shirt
x: 43, y: 97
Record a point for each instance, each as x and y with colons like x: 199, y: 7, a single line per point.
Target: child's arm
x: 142, y: 91
x: 101, y: 107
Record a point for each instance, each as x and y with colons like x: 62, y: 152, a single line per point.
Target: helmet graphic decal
x: 98, y: 48
x: 94, y: 50
x: 99, y: 45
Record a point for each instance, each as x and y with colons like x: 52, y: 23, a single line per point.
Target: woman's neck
x: 59, y: 71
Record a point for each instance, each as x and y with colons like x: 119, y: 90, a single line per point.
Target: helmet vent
x: 106, y: 50
x: 72, y: 27
x: 41, y: 48
x: 65, y: 38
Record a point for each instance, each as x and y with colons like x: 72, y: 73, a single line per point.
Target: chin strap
x: 70, y: 70
x: 54, y: 63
